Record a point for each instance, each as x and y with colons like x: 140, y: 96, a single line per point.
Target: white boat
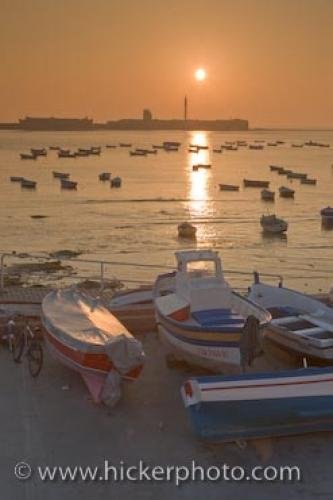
x: 83, y: 335
x: 187, y: 231
x: 272, y: 224
x: 203, y: 320
x: 300, y: 324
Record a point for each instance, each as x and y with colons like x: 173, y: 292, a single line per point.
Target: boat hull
x: 222, y: 358
x: 260, y: 405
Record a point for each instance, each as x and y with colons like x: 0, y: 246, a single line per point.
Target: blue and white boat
x: 260, y: 405
x: 202, y: 320
x: 301, y: 326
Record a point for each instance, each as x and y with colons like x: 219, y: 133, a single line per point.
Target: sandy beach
x: 51, y: 421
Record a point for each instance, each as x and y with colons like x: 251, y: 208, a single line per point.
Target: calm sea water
x: 138, y: 223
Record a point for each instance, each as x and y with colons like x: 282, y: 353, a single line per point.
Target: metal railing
x: 102, y: 267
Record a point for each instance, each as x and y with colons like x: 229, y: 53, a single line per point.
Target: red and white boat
x: 83, y: 335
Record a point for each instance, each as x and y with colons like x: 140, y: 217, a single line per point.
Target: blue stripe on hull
x: 231, y: 420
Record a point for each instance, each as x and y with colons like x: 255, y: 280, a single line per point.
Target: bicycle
x: 27, y: 344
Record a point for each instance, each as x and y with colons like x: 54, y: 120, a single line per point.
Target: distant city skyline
x: 267, y: 61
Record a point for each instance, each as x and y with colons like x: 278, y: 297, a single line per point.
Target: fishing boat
x: 202, y: 165
x: 116, y: 182
x: 14, y: 178
x: 137, y: 153
x: 327, y: 216
x: 256, y: 146
x: 26, y: 183
x: 228, y: 187
x: 66, y: 153
x: 111, y: 146
x: 260, y: 405
x: 297, y: 145
x: 60, y: 175
x: 104, y: 176
x: 286, y: 192
x: 276, y: 168
x: 27, y: 156
x: 296, y: 175
x: 301, y: 325
x: 38, y: 152
x: 125, y: 145
x: 273, y: 225
x: 309, y: 181
x: 187, y: 230
x: 204, y: 321
x: 83, y: 335
x: 67, y: 184
x: 217, y: 150
x: 54, y: 148
x: 254, y: 183
x: 267, y: 195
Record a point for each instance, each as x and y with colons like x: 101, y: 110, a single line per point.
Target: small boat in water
x: 26, y: 183
x: 204, y: 321
x: 260, y: 405
x: 296, y: 175
x: 311, y: 182
x: 60, y: 175
x: 273, y: 225
x: 116, y: 182
x: 66, y: 153
x: 125, y: 145
x: 286, y: 192
x: 256, y: 146
x: 38, y: 152
x: 104, y: 176
x: 267, y: 195
x: 83, y: 335
x: 228, y: 187
x: 187, y: 230
x: 201, y: 165
x: 327, y: 216
x: 28, y: 156
x: 14, y: 178
x: 67, y: 184
x: 254, y: 183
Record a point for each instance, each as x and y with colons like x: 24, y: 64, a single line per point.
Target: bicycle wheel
x: 18, y: 347
x: 35, y: 358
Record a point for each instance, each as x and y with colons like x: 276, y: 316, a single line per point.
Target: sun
x: 200, y: 74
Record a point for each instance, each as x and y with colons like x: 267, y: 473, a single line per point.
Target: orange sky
x: 267, y: 60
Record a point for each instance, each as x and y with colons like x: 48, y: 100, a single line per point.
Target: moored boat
x: 286, y: 192
x: 187, y: 230
x: 60, y: 175
x: 273, y: 225
x: 14, y: 178
x: 86, y: 337
x: 67, y: 184
x: 104, y: 176
x: 26, y: 183
x: 228, y: 187
x: 301, y: 325
x: 327, y: 216
x: 260, y: 405
x: 116, y: 182
x: 254, y: 183
x: 204, y: 321
x: 311, y: 182
x: 267, y: 195
x: 28, y: 156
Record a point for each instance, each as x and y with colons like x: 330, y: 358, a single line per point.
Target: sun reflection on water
x: 198, y: 187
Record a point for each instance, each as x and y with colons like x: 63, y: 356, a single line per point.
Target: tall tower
x: 185, y: 108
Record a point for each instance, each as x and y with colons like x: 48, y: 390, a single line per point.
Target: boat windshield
x: 197, y: 269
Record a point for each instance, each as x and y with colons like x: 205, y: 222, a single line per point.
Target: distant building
x: 29, y: 123
x: 147, y: 115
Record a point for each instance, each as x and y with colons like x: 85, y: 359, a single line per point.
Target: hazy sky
x: 267, y: 60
